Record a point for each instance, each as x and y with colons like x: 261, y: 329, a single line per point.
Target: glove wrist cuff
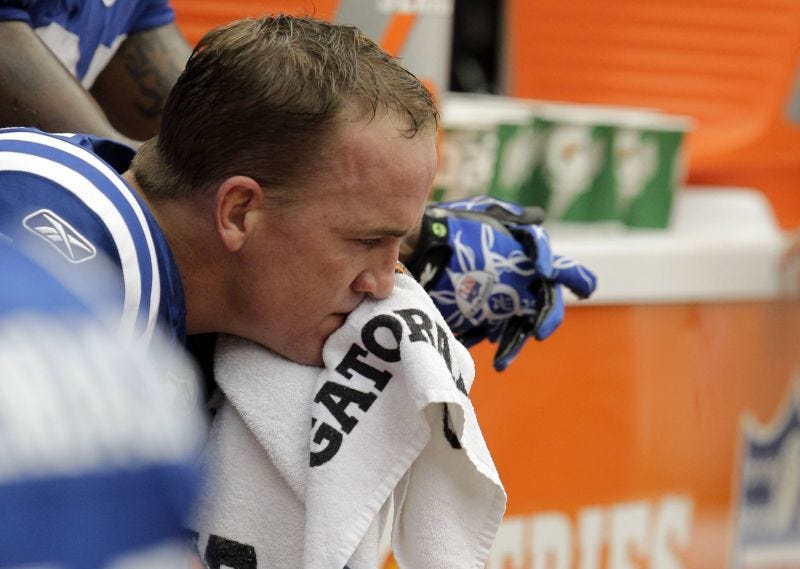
x: 432, y: 252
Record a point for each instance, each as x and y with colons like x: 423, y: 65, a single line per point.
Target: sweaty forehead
x: 370, y: 180
x: 379, y: 148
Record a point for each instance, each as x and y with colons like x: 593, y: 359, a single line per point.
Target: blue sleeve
x: 25, y: 286
x: 152, y: 14
x: 15, y: 10
x: 83, y: 484
x: 71, y: 208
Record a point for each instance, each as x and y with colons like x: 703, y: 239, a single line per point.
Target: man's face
x: 317, y: 258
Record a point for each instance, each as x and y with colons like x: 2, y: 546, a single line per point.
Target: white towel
x: 388, y: 418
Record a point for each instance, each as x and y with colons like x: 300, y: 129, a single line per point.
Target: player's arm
x: 134, y: 86
x: 37, y: 90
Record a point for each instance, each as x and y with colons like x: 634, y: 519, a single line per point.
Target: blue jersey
x: 63, y: 201
x: 85, y: 34
x: 97, y: 466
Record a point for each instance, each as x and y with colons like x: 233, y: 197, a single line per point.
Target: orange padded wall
x: 730, y: 64
x: 196, y: 17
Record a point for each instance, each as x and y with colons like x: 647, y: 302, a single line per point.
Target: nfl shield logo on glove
x: 472, y: 290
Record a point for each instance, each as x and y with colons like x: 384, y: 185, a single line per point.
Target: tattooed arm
x: 36, y: 90
x: 133, y: 87
x: 125, y: 102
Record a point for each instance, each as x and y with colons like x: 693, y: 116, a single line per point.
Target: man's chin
x: 314, y: 360
x: 309, y: 351
x: 305, y: 355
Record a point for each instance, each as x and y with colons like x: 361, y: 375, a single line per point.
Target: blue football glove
x: 489, y: 268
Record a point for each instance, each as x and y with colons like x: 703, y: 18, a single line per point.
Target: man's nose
x: 377, y: 281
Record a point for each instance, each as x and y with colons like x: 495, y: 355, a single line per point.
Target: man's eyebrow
x: 384, y: 231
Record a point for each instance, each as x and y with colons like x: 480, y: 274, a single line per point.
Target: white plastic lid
x: 471, y: 110
x: 608, y: 115
x: 468, y: 109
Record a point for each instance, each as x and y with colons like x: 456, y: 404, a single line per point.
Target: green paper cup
x: 467, y: 150
x: 649, y: 167
x: 573, y: 179
x: 487, y: 147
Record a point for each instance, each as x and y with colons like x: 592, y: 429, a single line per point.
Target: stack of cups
x: 581, y: 163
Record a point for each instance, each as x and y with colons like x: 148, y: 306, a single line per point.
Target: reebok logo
x: 60, y: 235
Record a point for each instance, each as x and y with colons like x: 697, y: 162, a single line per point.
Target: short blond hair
x: 262, y: 96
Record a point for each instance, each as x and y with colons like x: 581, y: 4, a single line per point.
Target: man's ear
x: 238, y: 205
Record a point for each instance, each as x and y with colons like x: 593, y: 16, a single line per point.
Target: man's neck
x: 192, y: 241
